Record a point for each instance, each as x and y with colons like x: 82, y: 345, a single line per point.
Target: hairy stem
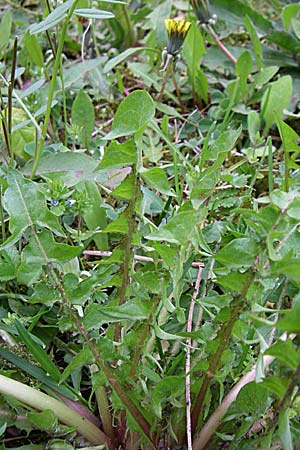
x: 225, y: 336
x: 112, y: 379
x: 128, y: 256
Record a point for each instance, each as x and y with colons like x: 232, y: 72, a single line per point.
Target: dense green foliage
x: 150, y: 245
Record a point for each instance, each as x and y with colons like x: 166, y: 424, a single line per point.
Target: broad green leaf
x: 8, y: 270
x: 5, y: 30
x: 290, y: 322
x: 169, y: 388
x: 264, y: 75
x: 26, y: 206
x: 45, y: 420
x: 289, y: 137
x: 284, y: 431
x: 277, y: 385
x: 288, y: 13
x: 118, y: 155
x: 293, y: 210
x: 120, y: 225
x: 275, y: 99
x: 34, y: 50
x: 125, y: 189
x: 257, y: 46
x: 37, y: 352
x: 133, y: 114
x: 238, y: 253
x: 285, y: 352
x: 98, y: 315
x: 253, y: 399
x: 178, y: 230
x: 54, y: 251
x: 92, y: 13
x: 157, y: 178
x: 83, y: 116
x: 82, y: 358
x: 282, y: 199
x: 222, y: 145
x: 55, y: 17
x: 78, y: 291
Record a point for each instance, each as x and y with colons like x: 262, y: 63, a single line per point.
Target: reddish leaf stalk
x: 214, y: 421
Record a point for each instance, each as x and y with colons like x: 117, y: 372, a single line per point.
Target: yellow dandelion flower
x: 177, y: 31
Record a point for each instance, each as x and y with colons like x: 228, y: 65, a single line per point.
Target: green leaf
x: 45, y: 420
x: 285, y: 352
x: 157, y: 178
x: 54, y: 251
x: 168, y: 388
x: 222, y: 145
x: 98, y: 315
x: 26, y: 206
x: 193, y: 51
x: 95, y: 215
x: 290, y: 322
x: 288, y: 13
x: 120, y: 58
x: 276, y: 385
x: 289, y: 137
x: 34, y: 50
x: 55, y: 17
x: 238, y: 253
x: 8, y: 270
x: 178, y: 230
x: 119, y: 155
x: 275, y: 99
x: 133, y: 114
x: 284, y: 431
x: 253, y: 399
x: 125, y: 189
x: 92, y: 13
x: 257, y: 46
x: 83, y: 116
x: 5, y: 30
x: 243, y: 69
x: 82, y: 358
x: 37, y: 352
x: 120, y: 225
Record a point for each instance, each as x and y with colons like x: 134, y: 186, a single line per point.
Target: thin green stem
x: 57, y: 64
x: 270, y: 164
x: 130, y: 31
x: 225, y: 337
x: 163, y: 85
x: 177, y: 90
